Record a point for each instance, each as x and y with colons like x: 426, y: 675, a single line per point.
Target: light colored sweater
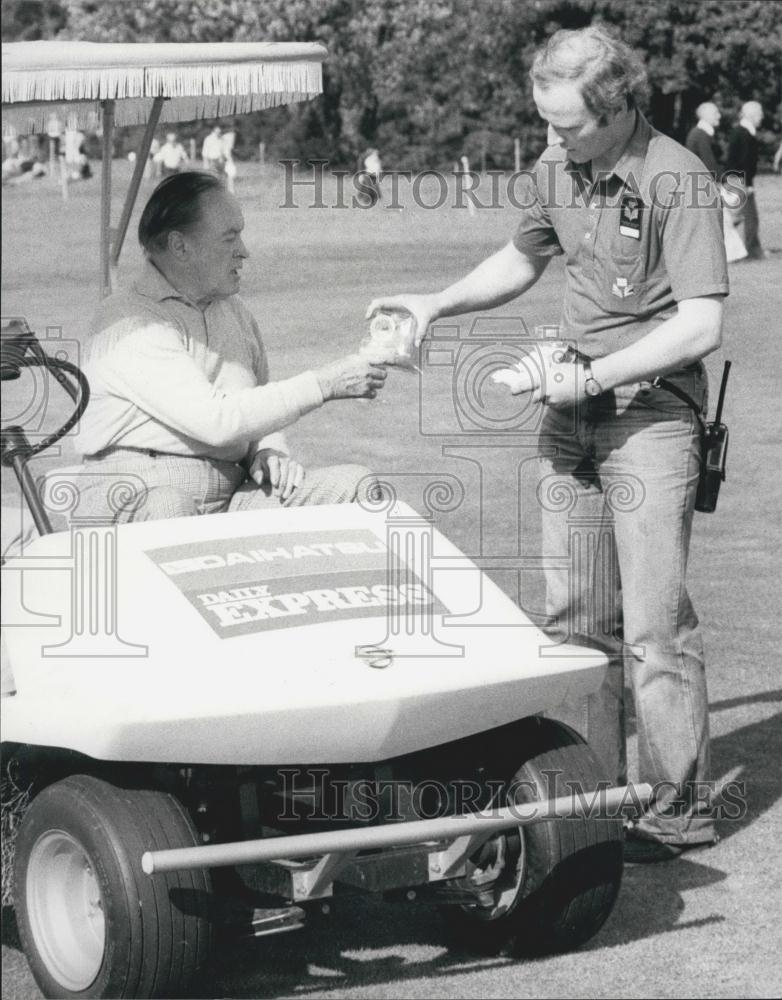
x: 166, y: 375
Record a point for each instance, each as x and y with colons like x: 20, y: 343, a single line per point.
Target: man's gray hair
x: 612, y: 77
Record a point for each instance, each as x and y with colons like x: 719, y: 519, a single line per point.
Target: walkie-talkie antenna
x: 723, y: 387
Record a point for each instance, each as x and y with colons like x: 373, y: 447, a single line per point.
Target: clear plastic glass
x: 391, y: 340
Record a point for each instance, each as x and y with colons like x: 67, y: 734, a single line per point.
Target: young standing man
x: 640, y: 228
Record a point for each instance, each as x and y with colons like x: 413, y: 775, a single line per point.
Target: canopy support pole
x: 105, y: 198
x: 135, y: 182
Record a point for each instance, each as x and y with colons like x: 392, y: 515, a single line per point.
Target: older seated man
x: 181, y: 399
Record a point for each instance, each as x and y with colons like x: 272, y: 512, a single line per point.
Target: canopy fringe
x: 215, y: 87
x: 31, y: 119
x: 170, y: 81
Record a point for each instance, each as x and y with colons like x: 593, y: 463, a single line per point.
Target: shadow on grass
x: 369, y: 943
x: 651, y: 901
x: 346, y: 957
x: 761, y: 697
x: 751, y: 754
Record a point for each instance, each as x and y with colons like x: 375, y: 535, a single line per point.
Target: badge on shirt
x: 630, y: 217
x: 622, y: 288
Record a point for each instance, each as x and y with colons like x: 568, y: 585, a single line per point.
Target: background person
x: 180, y: 391
x: 700, y: 139
x: 229, y: 141
x: 370, y: 171
x: 11, y: 147
x: 21, y: 170
x: 54, y: 132
x: 153, y: 166
x: 638, y: 303
x: 212, y: 152
x: 742, y: 162
x: 72, y: 143
x: 172, y: 156
x: 76, y: 161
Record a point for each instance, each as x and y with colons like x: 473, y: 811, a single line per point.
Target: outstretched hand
x: 352, y: 377
x: 547, y: 374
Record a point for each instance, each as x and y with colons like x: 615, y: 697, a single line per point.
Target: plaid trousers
x: 126, y: 484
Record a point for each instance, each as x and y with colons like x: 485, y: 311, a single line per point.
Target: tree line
x: 427, y: 81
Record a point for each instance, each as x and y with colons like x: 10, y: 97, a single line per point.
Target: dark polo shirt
x: 635, y: 242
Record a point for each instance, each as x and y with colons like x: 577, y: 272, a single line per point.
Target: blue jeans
x: 619, y: 477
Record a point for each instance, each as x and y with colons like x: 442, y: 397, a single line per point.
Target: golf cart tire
x: 571, y: 869
x: 91, y: 922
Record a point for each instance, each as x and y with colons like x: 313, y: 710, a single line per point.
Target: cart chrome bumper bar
x: 477, y: 827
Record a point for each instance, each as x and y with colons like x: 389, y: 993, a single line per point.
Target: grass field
x: 704, y: 926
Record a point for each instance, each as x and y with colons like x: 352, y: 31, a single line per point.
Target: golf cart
x: 233, y: 720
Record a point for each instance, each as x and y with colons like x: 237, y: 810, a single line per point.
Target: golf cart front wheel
x: 91, y: 922
x: 545, y: 887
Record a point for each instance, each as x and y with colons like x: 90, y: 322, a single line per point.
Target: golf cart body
x: 274, y: 638
x: 229, y: 704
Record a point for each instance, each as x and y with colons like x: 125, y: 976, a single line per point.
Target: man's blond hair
x: 612, y: 77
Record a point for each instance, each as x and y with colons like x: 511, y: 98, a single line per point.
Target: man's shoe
x: 643, y: 851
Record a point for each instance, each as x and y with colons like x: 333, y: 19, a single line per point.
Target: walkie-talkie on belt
x: 714, y: 444
x: 714, y: 450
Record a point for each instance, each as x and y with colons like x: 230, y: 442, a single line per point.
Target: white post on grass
x: 63, y: 176
x: 262, y: 153
x: 466, y: 170
x: 517, y: 155
x: 192, y: 150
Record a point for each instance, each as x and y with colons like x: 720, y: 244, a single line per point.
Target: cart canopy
x: 196, y: 80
